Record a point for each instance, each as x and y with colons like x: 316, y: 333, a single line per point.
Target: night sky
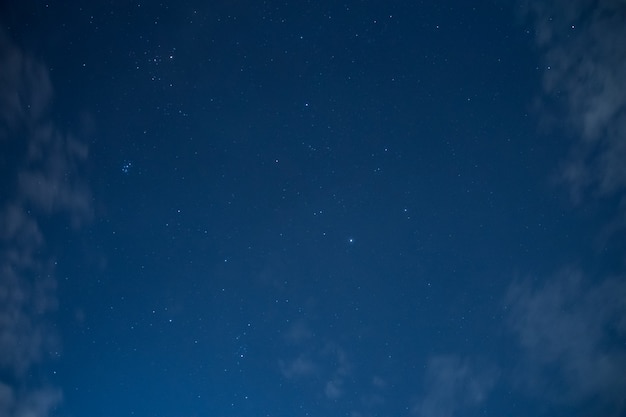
x: 313, y: 208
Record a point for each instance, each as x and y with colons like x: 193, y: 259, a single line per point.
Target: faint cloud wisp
x: 585, y: 61
x: 325, y: 363
x: 568, y: 329
x: 572, y: 327
x: 453, y: 385
x: 40, y: 166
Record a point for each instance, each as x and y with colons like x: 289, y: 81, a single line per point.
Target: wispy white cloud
x: 569, y: 329
x: 25, y: 86
x: 372, y: 398
x: 28, y: 403
x: 50, y: 180
x: 323, y: 362
x: 301, y: 366
x: 42, y: 181
x: 341, y: 369
x: 299, y: 333
x: 572, y: 327
x: 584, y: 65
x: 453, y: 384
x: 334, y: 388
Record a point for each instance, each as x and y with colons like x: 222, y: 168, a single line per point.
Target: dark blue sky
x: 359, y: 209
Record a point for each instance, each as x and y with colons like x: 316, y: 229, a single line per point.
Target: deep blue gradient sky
x: 313, y: 209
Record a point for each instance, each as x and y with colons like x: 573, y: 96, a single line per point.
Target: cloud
x: 302, y: 366
x: 326, y: 361
x: 334, y: 388
x: 572, y: 333
x: 585, y: 61
x: 379, y: 382
x: 42, y: 180
x: 25, y: 86
x: 572, y: 328
x: 50, y: 181
x: 25, y: 302
x: 453, y: 384
x: 299, y: 333
x: 32, y: 403
x: 342, y: 368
